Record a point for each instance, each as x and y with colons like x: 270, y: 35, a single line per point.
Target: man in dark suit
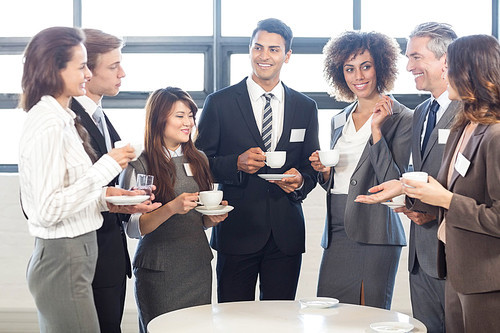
x: 113, y: 263
x: 264, y: 236
x: 426, y: 52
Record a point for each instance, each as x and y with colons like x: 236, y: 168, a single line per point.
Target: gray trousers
x: 427, y: 299
x: 60, y: 274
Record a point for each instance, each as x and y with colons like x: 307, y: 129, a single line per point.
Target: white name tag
x: 297, y: 135
x: 187, y: 167
x: 339, y: 120
x: 462, y: 164
x: 443, y: 134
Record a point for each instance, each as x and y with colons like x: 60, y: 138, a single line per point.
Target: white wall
x: 16, y: 245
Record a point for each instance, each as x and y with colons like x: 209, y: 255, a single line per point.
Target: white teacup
x: 400, y: 199
x: 275, y: 159
x: 211, y: 199
x: 419, y: 176
x: 329, y: 158
x: 138, y: 147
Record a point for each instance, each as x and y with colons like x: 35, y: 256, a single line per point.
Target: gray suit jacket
x: 423, y: 239
x: 385, y: 160
x: 473, y: 218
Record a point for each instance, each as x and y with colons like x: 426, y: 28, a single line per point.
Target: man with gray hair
x: 426, y: 52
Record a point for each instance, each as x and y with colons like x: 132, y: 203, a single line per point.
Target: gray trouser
x: 60, y: 274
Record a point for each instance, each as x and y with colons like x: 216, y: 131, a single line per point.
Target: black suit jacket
x: 228, y: 128
x: 113, y: 260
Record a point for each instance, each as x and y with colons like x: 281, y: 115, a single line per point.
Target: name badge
x: 443, y: 134
x: 339, y: 120
x: 462, y: 164
x: 187, y: 167
x: 297, y: 135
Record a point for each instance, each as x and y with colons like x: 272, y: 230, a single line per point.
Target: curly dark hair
x: 383, y: 49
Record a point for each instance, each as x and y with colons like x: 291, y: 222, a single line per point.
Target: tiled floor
x: 17, y: 309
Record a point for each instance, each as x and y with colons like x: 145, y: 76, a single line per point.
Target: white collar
x: 173, y: 153
x: 255, y: 91
x: 88, y: 104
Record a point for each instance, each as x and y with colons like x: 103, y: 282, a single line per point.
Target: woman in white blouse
x: 362, y: 243
x: 61, y: 189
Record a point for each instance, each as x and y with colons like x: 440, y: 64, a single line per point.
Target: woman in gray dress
x: 172, y: 262
x: 362, y: 244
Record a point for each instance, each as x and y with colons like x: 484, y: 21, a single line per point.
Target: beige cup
x: 211, y: 199
x: 416, y: 175
x: 329, y: 158
x: 275, y: 159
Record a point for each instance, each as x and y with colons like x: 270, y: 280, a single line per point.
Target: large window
x: 202, y: 46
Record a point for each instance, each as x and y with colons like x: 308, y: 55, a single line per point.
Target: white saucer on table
x: 393, y: 205
x: 391, y: 327
x: 220, y: 210
x: 319, y: 302
x: 123, y: 200
x: 274, y: 176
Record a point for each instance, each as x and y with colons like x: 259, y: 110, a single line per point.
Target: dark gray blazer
x: 385, y: 160
x: 423, y: 239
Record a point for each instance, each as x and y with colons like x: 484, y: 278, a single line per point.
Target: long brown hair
x: 158, y: 108
x: 474, y: 72
x: 46, y: 55
x: 48, y: 52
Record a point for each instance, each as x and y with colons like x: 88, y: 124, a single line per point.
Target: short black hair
x: 275, y: 26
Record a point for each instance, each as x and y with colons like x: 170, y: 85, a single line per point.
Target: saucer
x: 391, y: 327
x: 123, y: 200
x: 319, y: 302
x: 274, y: 176
x: 393, y: 204
x: 220, y: 210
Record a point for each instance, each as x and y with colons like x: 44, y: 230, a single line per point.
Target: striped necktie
x: 267, y: 122
x: 98, y: 116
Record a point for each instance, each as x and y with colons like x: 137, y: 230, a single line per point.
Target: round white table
x: 276, y: 316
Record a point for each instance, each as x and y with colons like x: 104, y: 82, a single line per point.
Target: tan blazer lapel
x: 469, y: 150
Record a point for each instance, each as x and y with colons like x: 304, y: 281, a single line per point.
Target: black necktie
x: 431, y: 123
x: 267, y: 122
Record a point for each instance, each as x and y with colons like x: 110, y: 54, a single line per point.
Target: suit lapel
x: 417, y: 142
x: 387, y: 124
x: 243, y: 101
x: 98, y: 142
x: 289, y: 115
x: 469, y: 150
x: 113, y: 134
x: 444, y: 122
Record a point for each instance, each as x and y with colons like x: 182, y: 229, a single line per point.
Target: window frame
x: 217, y: 52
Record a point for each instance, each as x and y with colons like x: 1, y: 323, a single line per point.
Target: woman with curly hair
x: 362, y: 243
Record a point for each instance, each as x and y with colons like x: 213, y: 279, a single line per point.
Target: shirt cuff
x: 133, y: 229
x: 103, y: 204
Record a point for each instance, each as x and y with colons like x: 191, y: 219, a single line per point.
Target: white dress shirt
x: 88, y: 104
x: 350, y: 145
x: 443, y: 101
x: 277, y: 104
x: 62, y: 192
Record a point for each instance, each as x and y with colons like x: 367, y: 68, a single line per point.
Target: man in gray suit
x: 426, y: 52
